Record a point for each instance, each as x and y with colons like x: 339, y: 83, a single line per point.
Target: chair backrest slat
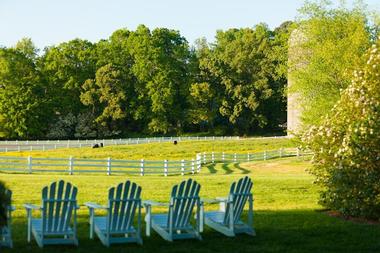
x: 239, y: 193
x: 58, y: 201
x: 58, y: 213
x: 132, y: 205
x: 122, y: 215
x: 123, y: 199
x: 183, y: 198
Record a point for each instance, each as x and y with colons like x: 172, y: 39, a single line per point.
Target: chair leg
x: 91, y: 223
x: 148, y: 220
x: 29, y: 232
x: 201, y: 218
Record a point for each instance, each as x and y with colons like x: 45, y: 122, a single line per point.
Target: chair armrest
x: 32, y: 207
x: 153, y: 203
x: 214, y: 201
x: 95, y: 206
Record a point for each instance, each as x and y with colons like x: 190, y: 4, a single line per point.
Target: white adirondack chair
x: 6, y: 232
x: 117, y: 226
x: 58, y: 222
x: 228, y: 220
x: 176, y: 223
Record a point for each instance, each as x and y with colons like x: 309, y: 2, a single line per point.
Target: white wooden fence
x: 141, y: 167
x: 42, y: 145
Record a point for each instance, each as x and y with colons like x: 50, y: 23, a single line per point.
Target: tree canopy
x: 143, y: 81
x: 332, y: 42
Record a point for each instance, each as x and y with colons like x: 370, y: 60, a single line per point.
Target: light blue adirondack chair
x: 117, y: 226
x: 6, y: 232
x: 58, y: 222
x: 228, y: 220
x: 176, y: 223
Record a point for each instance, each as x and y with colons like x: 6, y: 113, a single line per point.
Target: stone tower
x: 295, y: 60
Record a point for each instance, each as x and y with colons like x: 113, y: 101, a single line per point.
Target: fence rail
x: 42, y: 145
x: 141, y: 167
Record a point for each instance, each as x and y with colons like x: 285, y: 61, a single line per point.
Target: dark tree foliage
x: 144, y: 81
x: 4, y: 203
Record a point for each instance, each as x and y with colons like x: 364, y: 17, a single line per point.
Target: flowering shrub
x: 347, y: 145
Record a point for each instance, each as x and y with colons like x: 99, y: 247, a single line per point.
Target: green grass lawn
x: 161, y: 151
x: 287, y: 215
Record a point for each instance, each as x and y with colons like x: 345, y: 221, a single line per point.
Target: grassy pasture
x: 166, y: 150
x: 287, y: 215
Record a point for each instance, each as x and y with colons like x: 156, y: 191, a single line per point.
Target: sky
x: 50, y: 22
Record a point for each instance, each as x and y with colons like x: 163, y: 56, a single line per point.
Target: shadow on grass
x: 243, y: 171
x: 277, y: 231
x: 226, y: 168
x: 211, y: 168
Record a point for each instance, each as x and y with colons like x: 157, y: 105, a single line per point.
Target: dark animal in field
x: 175, y: 142
x: 95, y: 145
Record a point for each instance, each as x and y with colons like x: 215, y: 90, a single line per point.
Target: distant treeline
x: 147, y: 82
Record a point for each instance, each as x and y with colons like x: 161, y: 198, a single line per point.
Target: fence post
x: 182, y: 167
x: 109, y: 166
x: 43, y: 147
x: 55, y: 146
x: 165, y: 168
x: 212, y: 157
x: 192, y: 166
x: 142, y: 167
x: 204, y: 157
x: 248, y: 157
x: 280, y: 152
x: 199, y: 163
x: 198, y: 160
x: 19, y: 148
x: 223, y: 156
x: 71, y: 163
x: 31, y: 147
x: 30, y: 164
x: 265, y: 155
x: 235, y: 157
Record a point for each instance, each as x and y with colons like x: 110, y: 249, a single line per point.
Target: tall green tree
x: 205, y: 95
x: 160, y: 66
x: 107, y: 93
x: 23, y: 104
x: 238, y: 68
x: 332, y: 42
x: 111, y: 95
x: 66, y: 67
